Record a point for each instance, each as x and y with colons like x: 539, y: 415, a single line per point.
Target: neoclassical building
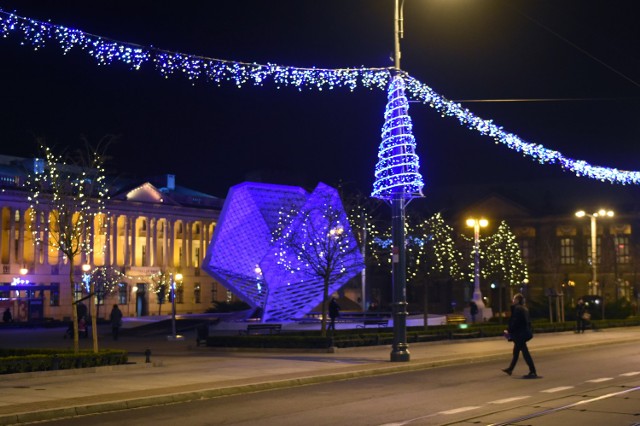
x: 149, y: 228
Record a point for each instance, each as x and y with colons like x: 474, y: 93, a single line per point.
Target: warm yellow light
x: 471, y: 222
x: 24, y: 271
x: 178, y: 276
x: 86, y: 267
x: 580, y: 213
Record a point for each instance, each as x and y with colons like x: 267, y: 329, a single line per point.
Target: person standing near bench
x: 334, y: 312
x: 116, y: 321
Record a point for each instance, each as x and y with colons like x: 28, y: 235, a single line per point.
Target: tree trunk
x: 74, y: 309
x: 425, y: 307
x: 94, y: 320
x: 325, y: 303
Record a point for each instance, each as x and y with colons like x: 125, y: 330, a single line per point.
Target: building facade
x: 149, y: 229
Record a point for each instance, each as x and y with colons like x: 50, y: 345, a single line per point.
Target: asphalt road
x: 597, y: 386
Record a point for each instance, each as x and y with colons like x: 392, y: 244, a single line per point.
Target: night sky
x: 580, y: 59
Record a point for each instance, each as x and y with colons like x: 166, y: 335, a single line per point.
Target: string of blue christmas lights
x: 107, y: 51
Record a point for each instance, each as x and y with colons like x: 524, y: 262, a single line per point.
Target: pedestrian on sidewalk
x: 582, y: 316
x: 334, y: 312
x: 473, y: 310
x: 6, y: 316
x: 520, y: 332
x: 116, y: 321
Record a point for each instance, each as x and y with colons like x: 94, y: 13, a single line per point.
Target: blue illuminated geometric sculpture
x: 397, y: 174
x: 251, y: 255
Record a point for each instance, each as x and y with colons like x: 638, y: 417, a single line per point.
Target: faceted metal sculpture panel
x: 272, y: 245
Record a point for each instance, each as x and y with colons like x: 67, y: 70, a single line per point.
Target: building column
x: 21, y: 225
x: 133, y: 221
x: 154, y: 243
x: 125, y: 245
x: 147, y: 254
x: 170, y: 243
x: 107, y: 240
x: 45, y: 238
x: 183, y: 260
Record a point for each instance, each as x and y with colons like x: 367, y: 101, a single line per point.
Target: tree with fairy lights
x: 504, y: 264
x: 432, y: 256
x: 366, y: 228
x: 161, y: 285
x: 71, y: 187
x: 105, y: 282
x: 316, y: 245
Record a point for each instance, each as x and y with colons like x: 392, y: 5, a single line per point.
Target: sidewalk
x: 181, y: 371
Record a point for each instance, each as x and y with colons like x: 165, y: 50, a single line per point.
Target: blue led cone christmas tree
x: 397, y: 181
x: 397, y: 171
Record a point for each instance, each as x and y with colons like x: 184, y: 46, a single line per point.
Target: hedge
x: 26, y: 360
x: 384, y: 336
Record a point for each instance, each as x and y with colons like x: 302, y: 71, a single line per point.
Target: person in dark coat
x: 473, y: 310
x: 116, y: 321
x: 520, y: 332
x: 6, y: 316
x: 581, y: 309
x: 334, y: 312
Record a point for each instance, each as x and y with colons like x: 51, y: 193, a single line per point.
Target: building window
x: 77, y: 293
x: 196, y: 293
x: 179, y: 293
x: 567, y: 251
x: 214, y: 292
x: 55, y: 294
x: 622, y: 249
x: 525, y: 250
x: 598, y: 250
x: 122, y: 293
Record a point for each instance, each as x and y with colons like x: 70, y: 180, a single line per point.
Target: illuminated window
x: 54, y: 294
x: 122, y: 293
x: 567, y: 256
x: 196, y: 293
x: 622, y: 249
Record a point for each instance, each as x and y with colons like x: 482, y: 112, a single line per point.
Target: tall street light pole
x: 477, y: 293
x: 174, y: 335
x: 594, y: 276
x: 400, y: 348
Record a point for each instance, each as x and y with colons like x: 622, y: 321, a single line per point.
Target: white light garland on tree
x: 107, y: 51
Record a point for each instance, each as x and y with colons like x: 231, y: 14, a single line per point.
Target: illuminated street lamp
x: 594, y: 277
x: 476, y: 224
x: 174, y: 335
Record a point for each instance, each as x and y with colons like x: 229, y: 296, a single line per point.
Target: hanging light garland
x: 107, y: 51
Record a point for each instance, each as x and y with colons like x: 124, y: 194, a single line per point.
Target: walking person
x: 116, y: 321
x: 334, y: 312
x: 520, y: 332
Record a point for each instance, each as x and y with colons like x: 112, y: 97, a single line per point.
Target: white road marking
x: 602, y: 379
x: 631, y: 373
x: 459, y: 410
x: 558, y: 389
x: 506, y: 400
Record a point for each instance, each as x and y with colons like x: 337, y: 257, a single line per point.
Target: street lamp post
x: 594, y: 276
x: 174, y: 334
x: 476, y: 224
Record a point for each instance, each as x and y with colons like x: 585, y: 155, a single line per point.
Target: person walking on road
x: 116, y: 321
x: 334, y: 312
x: 520, y: 332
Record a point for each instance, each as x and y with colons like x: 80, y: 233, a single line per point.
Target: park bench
x: 455, y: 319
x: 262, y: 329
x: 374, y: 321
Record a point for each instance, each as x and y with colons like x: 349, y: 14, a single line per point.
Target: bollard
x: 147, y: 354
x: 55, y: 362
